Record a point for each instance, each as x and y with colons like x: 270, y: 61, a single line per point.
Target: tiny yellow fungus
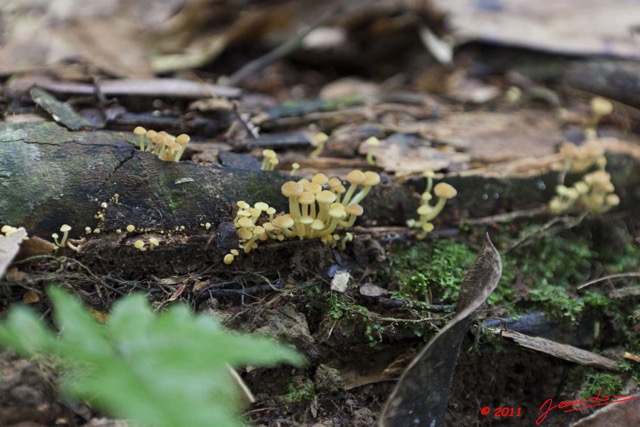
x: 153, y: 242
x: 139, y: 245
x: 140, y: 131
x: 269, y: 160
x: 294, y: 168
x: 319, y: 141
x: 371, y: 143
x: 228, y: 259
x: 131, y: 228
x: 428, y: 212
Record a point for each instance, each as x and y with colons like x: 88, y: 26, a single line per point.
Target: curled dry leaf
x: 9, y: 247
x: 420, y: 397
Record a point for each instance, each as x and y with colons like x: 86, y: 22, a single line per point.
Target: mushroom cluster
x: 579, y: 159
x: 428, y: 212
x: 317, y: 208
x: 167, y: 147
x: 269, y: 160
x: 594, y: 193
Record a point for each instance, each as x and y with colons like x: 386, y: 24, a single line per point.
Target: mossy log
x: 50, y: 176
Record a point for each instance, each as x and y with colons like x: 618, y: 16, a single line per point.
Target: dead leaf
x: 408, y: 154
x: 30, y: 297
x: 174, y: 296
x: 421, y: 395
x: 622, y: 413
x: 562, y: 351
x: 9, y: 247
x: 100, y: 316
x: 578, y: 27
x: 494, y: 137
x: 61, y: 112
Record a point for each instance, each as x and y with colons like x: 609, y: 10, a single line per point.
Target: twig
x: 612, y: 276
x: 280, y: 51
x: 569, y: 222
x: 506, y: 217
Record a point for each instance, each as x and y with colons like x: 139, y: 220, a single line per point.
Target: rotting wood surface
x: 50, y: 176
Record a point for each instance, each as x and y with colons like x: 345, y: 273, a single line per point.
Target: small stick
x: 281, y: 51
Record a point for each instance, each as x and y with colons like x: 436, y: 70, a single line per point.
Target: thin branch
x: 280, y: 51
x: 612, y: 276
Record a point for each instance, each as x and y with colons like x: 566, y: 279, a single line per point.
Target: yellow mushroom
x: 370, y: 179
x: 140, y: 131
x: 444, y: 192
x: 292, y: 190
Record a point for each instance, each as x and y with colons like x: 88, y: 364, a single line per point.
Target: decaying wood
x: 562, y: 351
x: 51, y: 176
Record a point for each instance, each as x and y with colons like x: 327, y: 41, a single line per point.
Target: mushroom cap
x: 427, y: 226
x: 355, y: 177
x: 337, y: 211
x: 153, y: 241
x: 268, y: 226
x: 424, y: 209
x: 258, y: 230
x: 601, y: 106
x: 243, y: 205
x: 151, y: 133
x: 612, y: 199
x: 306, y: 220
x: 334, y: 182
x: 317, y: 224
x: 139, y: 130
x: 445, y: 191
x: 320, y: 137
x: 138, y: 244
x: 354, y: 209
x: 131, y: 228
x: 326, y: 196
x: 261, y: 205
x: 320, y: 178
x: 228, y: 259
x: 245, y: 222
x: 65, y: 228
x: 283, y: 221
x: 372, y: 141
x: 306, y: 198
x: 313, y: 187
x: 291, y: 189
x: 245, y: 234
x: 183, y: 139
x: 269, y: 154
x: 371, y: 179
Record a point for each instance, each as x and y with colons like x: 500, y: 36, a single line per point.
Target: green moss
x: 299, y: 395
x: 602, y: 384
x: 430, y: 273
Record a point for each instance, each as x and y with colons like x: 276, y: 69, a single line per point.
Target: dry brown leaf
x: 406, y: 154
x: 584, y: 27
x: 30, y: 297
x: 494, y: 137
x: 107, y: 34
x: 9, y: 247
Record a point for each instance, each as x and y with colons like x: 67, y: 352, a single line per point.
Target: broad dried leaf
x: 421, y: 395
x: 9, y: 247
x: 579, y: 27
